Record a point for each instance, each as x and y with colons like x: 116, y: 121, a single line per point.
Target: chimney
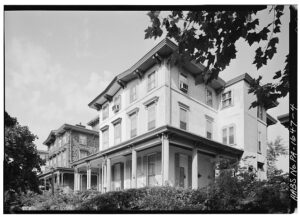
x: 80, y: 125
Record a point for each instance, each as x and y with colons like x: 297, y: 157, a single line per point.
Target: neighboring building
x: 160, y: 124
x: 284, y: 120
x: 65, y: 145
x: 44, y: 156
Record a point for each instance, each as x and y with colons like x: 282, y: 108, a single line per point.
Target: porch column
x: 98, y: 179
x: 76, y: 179
x: 134, y: 168
x: 108, y: 172
x: 165, y: 158
x: 45, y: 183
x: 195, y: 169
x: 88, y: 176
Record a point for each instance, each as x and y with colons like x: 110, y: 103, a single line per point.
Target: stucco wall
x: 142, y: 96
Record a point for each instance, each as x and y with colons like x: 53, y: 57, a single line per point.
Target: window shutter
x: 122, y: 175
x: 189, y: 171
x: 177, y: 169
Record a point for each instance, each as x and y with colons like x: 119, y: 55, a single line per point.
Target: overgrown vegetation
x: 240, y: 193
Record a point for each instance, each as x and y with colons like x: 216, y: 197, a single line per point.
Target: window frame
x: 132, y: 99
x: 80, y: 139
x: 206, y: 97
x: 131, y: 116
x: 227, y: 98
x: 106, y: 106
x: 227, y: 128
x: 151, y: 82
x: 118, y: 124
x: 210, y: 121
x: 105, y: 145
x: 151, y: 106
x: 183, y: 78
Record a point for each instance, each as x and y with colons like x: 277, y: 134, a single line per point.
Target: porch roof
x: 61, y: 169
x: 196, y: 139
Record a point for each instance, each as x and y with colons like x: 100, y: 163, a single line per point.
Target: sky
x: 56, y: 62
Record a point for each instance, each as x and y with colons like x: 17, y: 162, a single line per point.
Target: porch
x: 171, y: 157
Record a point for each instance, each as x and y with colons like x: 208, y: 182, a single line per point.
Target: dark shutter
x: 139, y: 166
x: 122, y: 175
x: 158, y: 164
x: 145, y: 168
x: 112, y: 184
x: 189, y: 171
x: 177, y: 169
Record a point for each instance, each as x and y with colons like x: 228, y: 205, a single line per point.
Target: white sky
x: 57, y: 62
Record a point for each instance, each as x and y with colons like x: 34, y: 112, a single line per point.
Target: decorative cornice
x: 121, y: 83
x: 150, y: 101
x: 108, y: 97
x: 131, y: 112
x: 184, y: 106
x: 116, y: 121
x: 104, y: 128
x: 157, y: 58
x: 139, y: 73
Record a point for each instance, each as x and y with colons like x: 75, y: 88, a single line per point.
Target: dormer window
x: 105, y: 112
x: 226, y: 99
x: 183, y: 83
x: 117, y: 103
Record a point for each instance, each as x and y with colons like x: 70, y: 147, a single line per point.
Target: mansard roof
x: 54, y: 133
x: 163, y: 49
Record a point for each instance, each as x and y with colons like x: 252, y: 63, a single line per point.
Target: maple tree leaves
x: 209, y: 37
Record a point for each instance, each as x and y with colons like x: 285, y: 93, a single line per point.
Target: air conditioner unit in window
x: 184, y: 87
x: 116, y: 108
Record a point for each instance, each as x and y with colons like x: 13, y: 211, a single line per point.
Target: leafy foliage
x: 209, y: 37
x: 21, y: 161
x: 274, y: 150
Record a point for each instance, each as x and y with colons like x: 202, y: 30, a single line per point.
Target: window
x: 183, y: 83
x: 228, y: 135
x: 151, y: 116
x: 183, y: 119
x: 260, y: 112
x: 58, y: 160
x: 151, y: 170
x: 105, y: 112
x: 59, y: 142
x: 133, y: 125
x: 83, y: 154
x: 151, y: 81
x: 209, y: 100
x: 133, y: 93
x: 224, y: 135
x: 259, y: 143
x: 260, y: 166
x: 105, y: 139
x: 117, y: 103
x: 117, y: 134
x: 231, y: 135
x: 209, y: 129
x: 65, y: 139
x: 82, y: 139
x: 226, y: 99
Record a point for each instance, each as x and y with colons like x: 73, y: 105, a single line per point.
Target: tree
x: 21, y: 160
x: 208, y: 37
x: 274, y: 150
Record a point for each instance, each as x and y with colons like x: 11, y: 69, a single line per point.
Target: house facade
x: 66, y: 145
x: 160, y: 124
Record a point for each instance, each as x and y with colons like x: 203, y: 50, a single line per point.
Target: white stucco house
x: 160, y: 124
